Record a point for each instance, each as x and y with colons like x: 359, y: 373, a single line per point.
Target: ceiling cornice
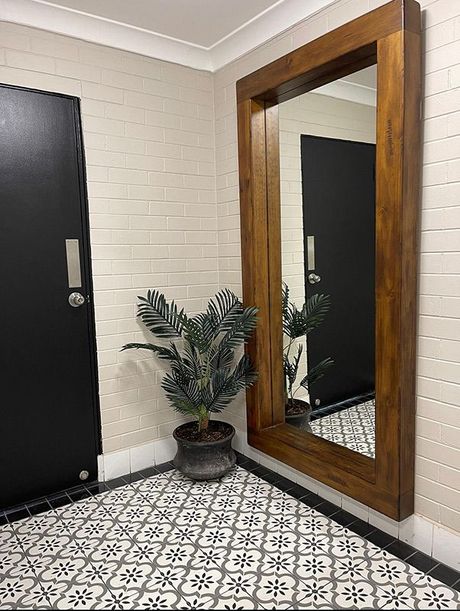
x: 280, y: 18
x: 62, y: 20
x: 94, y: 29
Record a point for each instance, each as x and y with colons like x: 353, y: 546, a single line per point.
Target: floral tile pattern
x: 353, y: 428
x: 165, y: 542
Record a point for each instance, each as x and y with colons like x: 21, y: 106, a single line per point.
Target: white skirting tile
x: 165, y: 450
x: 116, y: 464
x: 384, y: 523
x: 418, y: 532
x: 141, y: 457
x: 446, y: 546
x: 122, y: 462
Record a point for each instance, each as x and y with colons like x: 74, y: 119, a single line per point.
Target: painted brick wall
x: 148, y: 129
x: 438, y: 361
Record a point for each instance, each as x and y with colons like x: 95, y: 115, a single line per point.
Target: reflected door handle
x: 76, y: 300
x: 314, y: 278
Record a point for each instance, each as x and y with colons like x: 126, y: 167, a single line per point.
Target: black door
x: 339, y: 215
x: 49, y: 416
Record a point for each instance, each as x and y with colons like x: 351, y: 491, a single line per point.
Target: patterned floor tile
x: 276, y: 591
x: 428, y: 593
x: 353, y: 428
x: 71, y: 595
x: 165, y: 542
x: 167, y: 599
x: 22, y: 592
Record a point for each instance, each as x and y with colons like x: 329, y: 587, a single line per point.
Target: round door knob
x: 314, y: 278
x: 76, y: 300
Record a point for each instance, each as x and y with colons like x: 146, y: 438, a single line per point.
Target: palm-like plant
x: 204, y: 378
x: 299, y: 323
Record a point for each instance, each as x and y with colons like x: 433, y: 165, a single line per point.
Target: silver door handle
x: 72, y: 248
x: 311, y: 252
x: 76, y: 300
x: 314, y: 278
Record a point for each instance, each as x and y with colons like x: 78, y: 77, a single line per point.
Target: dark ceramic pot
x: 301, y: 420
x: 202, y: 460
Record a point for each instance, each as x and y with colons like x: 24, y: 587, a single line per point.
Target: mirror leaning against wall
x: 329, y: 171
x: 327, y: 196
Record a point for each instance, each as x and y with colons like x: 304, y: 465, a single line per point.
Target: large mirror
x: 328, y: 144
x: 327, y: 197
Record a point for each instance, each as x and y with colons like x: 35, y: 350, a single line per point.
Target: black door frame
x: 85, y: 260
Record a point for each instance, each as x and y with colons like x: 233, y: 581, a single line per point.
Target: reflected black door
x: 338, y: 181
x: 49, y: 423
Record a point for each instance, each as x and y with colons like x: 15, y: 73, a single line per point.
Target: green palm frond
x: 225, y: 385
x: 285, y: 299
x: 291, y: 368
x: 241, y: 329
x: 295, y: 324
x: 183, y: 393
x: 200, y: 331
x: 161, y: 351
x: 224, y: 309
x: 220, y: 357
x: 160, y: 317
x: 316, y: 372
x: 315, y: 309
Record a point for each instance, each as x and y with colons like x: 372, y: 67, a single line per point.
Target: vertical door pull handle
x: 72, y: 248
x: 311, y: 252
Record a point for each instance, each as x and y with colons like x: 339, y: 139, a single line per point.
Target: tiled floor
x: 164, y: 542
x: 353, y: 428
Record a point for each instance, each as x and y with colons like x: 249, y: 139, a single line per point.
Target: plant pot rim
x: 307, y: 409
x: 205, y: 443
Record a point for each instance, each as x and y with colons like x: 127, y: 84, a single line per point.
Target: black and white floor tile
x: 353, y: 428
x: 165, y: 542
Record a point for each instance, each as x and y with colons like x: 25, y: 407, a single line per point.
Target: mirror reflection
x: 327, y: 171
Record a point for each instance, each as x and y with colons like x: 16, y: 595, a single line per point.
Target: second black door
x: 339, y: 214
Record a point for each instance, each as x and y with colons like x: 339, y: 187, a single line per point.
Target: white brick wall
x: 148, y: 129
x: 438, y: 390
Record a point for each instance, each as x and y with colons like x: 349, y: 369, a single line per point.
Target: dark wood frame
x: 390, y: 37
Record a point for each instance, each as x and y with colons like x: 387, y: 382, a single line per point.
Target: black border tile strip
x: 412, y: 556
x: 77, y: 493
x: 334, y: 408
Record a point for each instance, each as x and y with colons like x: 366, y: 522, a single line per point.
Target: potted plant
x: 204, y: 377
x: 296, y: 324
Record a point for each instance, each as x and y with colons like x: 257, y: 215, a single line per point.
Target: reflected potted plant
x: 204, y: 376
x: 298, y: 323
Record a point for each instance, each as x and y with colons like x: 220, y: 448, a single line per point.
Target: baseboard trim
x: 123, y: 462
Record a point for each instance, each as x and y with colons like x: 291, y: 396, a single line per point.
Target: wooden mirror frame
x: 390, y: 37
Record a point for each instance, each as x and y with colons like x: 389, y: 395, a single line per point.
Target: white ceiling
x: 198, y: 22
x: 360, y: 87
x: 203, y: 34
